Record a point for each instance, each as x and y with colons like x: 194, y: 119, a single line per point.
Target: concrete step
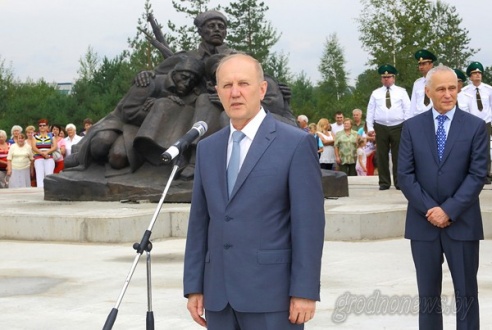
x: 367, y: 214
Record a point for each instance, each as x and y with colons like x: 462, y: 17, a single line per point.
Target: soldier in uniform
x: 461, y: 79
x: 388, y: 108
x: 420, y: 102
x: 476, y: 98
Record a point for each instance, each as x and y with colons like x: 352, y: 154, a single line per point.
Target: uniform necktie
x: 388, y: 98
x: 426, y: 100
x: 441, y: 135
x: 479, y: 101
x: 233, y: 168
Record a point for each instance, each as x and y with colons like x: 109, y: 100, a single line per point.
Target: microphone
x: 182, y: 144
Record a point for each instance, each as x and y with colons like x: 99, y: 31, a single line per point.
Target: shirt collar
x: 449, y: 114
x: 252, y: 127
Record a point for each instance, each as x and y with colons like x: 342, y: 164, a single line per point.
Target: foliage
x: 450, y: 41
x: 29, y: 101
x: 248, y: 30
x: 277, y: 65
x: 302, y: 101
x: 487, y: 75
x: 186, y: 37
x: 142, y: 54
x: 409, y: 25
x: 97, y: 97
x: 333, y: 69
x: 88, y: 64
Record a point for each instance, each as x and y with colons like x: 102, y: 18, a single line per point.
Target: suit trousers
x: 462, y: 258
x: 387, y: 138
x: 489, y: 127
x: 229, y: 319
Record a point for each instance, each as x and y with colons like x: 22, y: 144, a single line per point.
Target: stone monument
x: 120, y: 158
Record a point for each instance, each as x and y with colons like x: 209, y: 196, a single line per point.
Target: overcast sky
x: 46, y: 38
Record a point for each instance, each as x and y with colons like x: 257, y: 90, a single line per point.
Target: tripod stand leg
x: 144, y: 245
x: 150, y: 313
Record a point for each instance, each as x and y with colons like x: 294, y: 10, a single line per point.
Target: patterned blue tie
x: 441, y: 135
x: 233, y: 168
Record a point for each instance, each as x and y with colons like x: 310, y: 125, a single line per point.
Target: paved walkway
x: 75, y: 286
x: 46, y: 285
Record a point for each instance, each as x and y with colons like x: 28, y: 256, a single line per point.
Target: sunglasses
x: 42, y: 125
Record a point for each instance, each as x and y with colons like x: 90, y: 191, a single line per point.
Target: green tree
x: 88, y: 64
x: 96, y: 97
x: 302, y: 101
x: 185, y: 37
x: 487, y: 75
x: 6, y: 84
x: 142, y: 55
x: 393, y: 30
x: 366, y: 82
x: 29, y: 101
x: 248, y: 30
x: 277, y: 65
x: 333, y: 69
x: 450, y: 41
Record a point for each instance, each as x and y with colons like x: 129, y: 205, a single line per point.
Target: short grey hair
x: 357, y: 111
x: 3, y: 133
x: 303, y: 118
x: 70, y: 126
x: 15, y: 128
x: 439, y: 68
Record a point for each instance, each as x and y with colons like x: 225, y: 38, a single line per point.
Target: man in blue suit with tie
x: 256, y: 227
x: 442, y: 170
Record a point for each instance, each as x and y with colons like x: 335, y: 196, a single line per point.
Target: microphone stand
x: 144, y: 245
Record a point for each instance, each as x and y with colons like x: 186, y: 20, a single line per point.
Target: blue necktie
x: 233, y: 168
x: 441, y: 135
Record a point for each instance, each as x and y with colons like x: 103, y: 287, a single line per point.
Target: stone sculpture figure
x: 120, y: 157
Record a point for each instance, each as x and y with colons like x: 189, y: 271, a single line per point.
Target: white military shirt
x: 377, y: 112
x: 417, y: 105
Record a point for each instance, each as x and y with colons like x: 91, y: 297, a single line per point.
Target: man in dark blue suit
x: 442, y: 169
x: 253, y: 250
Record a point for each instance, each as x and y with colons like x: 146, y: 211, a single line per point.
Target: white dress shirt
x: 377, y: 112
x: 468, y: 102
x: 417, y: 105
x: 447, y: 123
x: 250, y: 131
x: 70, y: 142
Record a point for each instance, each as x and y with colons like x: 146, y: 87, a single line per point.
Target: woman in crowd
x: 327, y: 158
x: 61, y: 150
x: 346, y: 148
x: 30, y: 132
x: 43, y: 146
x: 20, y: 163
x: 4, y: 150
x: 62, y: 134
x: 14, y: 133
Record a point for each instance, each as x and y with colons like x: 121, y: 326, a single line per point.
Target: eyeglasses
x: 42, y: 125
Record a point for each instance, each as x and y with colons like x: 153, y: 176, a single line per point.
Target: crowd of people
x: 349, y: 144
x: 344, y: 146
x: 30, y: 154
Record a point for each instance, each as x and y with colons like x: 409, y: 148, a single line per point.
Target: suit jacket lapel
x: 430, y: 132
x: 219, y: 163
x: 265, y: 135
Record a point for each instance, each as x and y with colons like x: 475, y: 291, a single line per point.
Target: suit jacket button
x: 227, y: 246
x: 228, y: 218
